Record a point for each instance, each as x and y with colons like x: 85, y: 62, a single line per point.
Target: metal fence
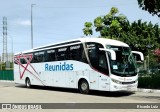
x: 6, y: 75
x: 149, y: 75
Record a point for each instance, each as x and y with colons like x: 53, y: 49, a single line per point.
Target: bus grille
x: 128, y: 82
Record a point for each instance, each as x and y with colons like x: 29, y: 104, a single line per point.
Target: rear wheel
x: 28, y: 83
x: 83, y: 87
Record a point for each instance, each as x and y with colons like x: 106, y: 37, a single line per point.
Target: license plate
x: 129, y: 87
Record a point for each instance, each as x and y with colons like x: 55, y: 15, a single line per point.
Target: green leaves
x: 141, y: 36
x: 152, y: 6
x: 114, y: 11
x: 110, y: 24
x: 98, y: 23
x: 88, y: 28
x: 88, y: 24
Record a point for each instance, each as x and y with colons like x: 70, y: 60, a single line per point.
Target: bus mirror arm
x: 113, y: 54
x: 140, y: 54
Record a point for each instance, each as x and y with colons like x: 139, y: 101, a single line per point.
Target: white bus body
x: 85, y: 63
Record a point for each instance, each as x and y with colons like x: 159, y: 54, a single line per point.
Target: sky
x: 58, y: 20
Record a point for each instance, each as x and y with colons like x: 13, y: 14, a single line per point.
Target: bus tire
x: 28, y: 83
x: 83, y: 86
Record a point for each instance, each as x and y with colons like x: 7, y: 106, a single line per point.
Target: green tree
x: 141, y: 36
x: 152, y: 6
x: 110, y: 25
x: 88, y: 28
x: 145, y: 36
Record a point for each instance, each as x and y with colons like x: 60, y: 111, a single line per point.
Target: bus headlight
x: 116, y: 81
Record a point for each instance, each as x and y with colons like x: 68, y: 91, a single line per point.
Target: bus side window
x: 97, y: 58
x: 62, y: 53
x: 35, y: 60
x: 38, y: 57
x: 93, y: 54
x: 103, y: 66
x: 51, y: 55
x: 75, y: 52
x: 23, y: 61
x: 102, y: 61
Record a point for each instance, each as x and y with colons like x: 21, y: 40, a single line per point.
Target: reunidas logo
x: 59, y: 67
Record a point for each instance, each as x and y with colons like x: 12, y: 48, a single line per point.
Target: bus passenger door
x: 99, y: 64
x: 104, y: 71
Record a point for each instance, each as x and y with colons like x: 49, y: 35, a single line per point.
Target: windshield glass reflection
x: 124, y: 65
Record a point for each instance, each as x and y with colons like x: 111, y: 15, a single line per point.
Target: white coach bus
x: 85, y: 63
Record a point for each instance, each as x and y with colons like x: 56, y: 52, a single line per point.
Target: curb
x: 6, y: 81
x: 148, y: 90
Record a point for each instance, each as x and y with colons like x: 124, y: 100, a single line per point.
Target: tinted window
x: 97, y: 58
x: 93, y: 54
x: 62, y: 53
x: 75, y: 52
x: 103, y: 66
x: 23, y: 61
x: 51, y: 55
x: 38, y: 57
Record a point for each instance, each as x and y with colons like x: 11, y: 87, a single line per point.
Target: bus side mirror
x: 113, y: 54
x: 138, y: 56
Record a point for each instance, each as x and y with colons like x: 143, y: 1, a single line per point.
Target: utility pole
x: 5, y: 55
x: 32, y: 26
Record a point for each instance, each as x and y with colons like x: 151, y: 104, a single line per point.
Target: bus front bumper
x: 120, y: 87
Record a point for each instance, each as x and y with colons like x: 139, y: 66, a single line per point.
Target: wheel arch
x: 27, y: 79
x: 83, y: 78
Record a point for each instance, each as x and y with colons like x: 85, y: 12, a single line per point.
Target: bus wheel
x: 28, y: 83
x: 83, y: 86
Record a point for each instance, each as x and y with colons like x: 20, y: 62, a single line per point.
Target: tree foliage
x: 88, y: 28
x: 110, y: 24
x: 141, y: 36
x: 152, y: 6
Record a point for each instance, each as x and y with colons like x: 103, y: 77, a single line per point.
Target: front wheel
x: 83, y: 87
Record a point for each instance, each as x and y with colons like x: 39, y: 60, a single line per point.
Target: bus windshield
x: 124, y: 65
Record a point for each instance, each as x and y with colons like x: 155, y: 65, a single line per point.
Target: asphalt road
x: 14, y: 93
